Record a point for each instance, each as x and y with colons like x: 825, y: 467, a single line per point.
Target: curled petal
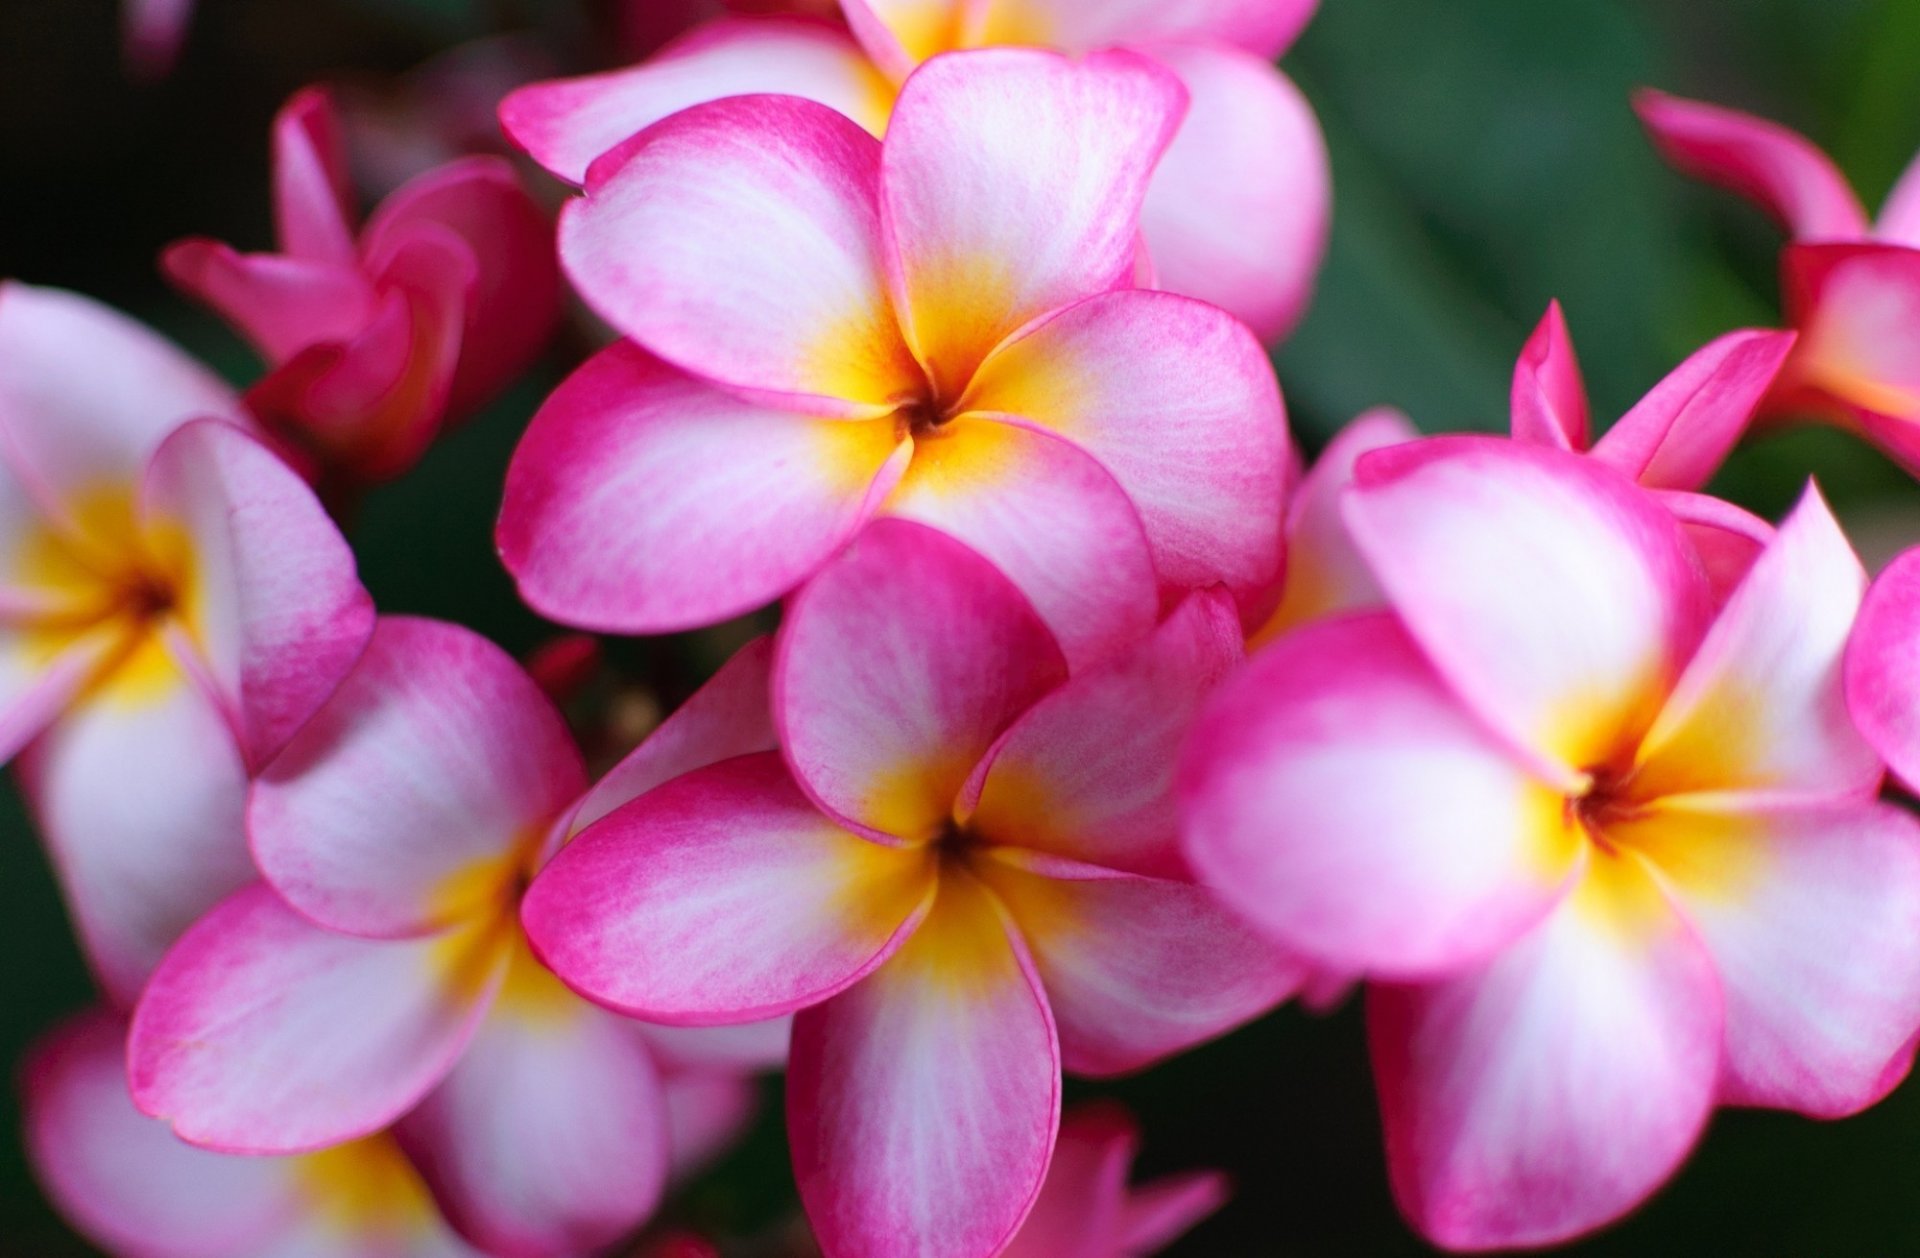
x: 281, y: 304
x: 311, y: 190
x: 1549, y: 396
x: 1678, y: 435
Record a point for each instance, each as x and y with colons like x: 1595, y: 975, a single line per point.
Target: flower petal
x: 140, y: 793
x: 263, y: 1033
x: 1725, y: 537
x: 1678, y: 435
x: 722, y: 896
x: 1779, y: 170
x: 1556, y: 597
x: 706, y: 1115
x: 1163, y: 1211
x: 417, y: 795
x: 1812, y: 917
x: 1135, y: 969
x: 1240, y: 207
x: 1012, y: 182
x: 732, y: 715
x: 273, y: 602
x: 1265, y: 28
x: 1324, y: 574
x: 566, y: 123
x: 643, y: 500
x: 1549, y: 397
x: 1338, y: 796
x: 1175, y: 399
x: 1078, y: 1213
x: 1087, y: 772
x: 1762, y: 706
x: 123, y: 1179
x: 281, y: 304
x: 1549, y: 1091
x: 550, y: 1135
x: 740, y: 239
x: 1899, y: 221
x: 1882, y: 668
x: 898, y: 667
x: 1857, y: 308
x: 310, y: 183
x: 922, y: 1102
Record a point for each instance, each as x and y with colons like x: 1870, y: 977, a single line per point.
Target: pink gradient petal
x: 722, y: 896
x: 140, y: 794
x: 87, y: 394
x: 281, y: 304
x: 263, y: 1033
x: 274, y: 606
x: 732, y: 715
x: 1178, y: 402
x: 566, y: 123
x: 922, y: 1102
x: 1549, y: 1091
x: 1087, y: 772
x: 417, y: 795
x: 1549, y: 397
x: 1678, y: 435
x: 1857, y: 308
x: 515, y: 300
x: 36, y: 688
x: 1324, y: 573
x: 1049, y: 517
x: 1135, y: 969
x: 1012, y: 182
x: 643, y: 500
x: 1559, y: 599
x: 1240, y: 207
x: 1882, y: 668
x: 1338, y: 796
x: 1265, y: 28
x: 311, y: 190
x: 1725, y: 537
x: 124, y: 1180
x: 898, y: 667
x: 1812, y: 918
x: 549, y: 1138
x: 1078, y: 1213
x: 1899, y: 221
x: 1762, y: 707
x: 740, y: 239
x: 1779, y: 170
x: 1163, y: 1211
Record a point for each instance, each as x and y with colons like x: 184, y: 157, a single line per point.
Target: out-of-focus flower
x: 376, y: 343
x: 152, y: 32
x: 942, y: 328
x: 173, y: 604
x: 1238, y: 211
x: 1609, y: 858
x: 136, y: 1191
x: 964, y: 874
x: 380, y: 974
x: 1852, y: 287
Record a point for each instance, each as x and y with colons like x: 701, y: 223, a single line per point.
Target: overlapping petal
x: 1265, y: 28
x: 311, y: 189
x: 1882, y: 669
x: 1549, y: 397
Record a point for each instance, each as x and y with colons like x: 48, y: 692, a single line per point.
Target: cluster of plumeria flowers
x: 1093, y: 727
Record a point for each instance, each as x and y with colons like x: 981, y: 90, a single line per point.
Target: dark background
x: 1485, y: 161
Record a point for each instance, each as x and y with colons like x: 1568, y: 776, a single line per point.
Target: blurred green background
x: 1485, y: 161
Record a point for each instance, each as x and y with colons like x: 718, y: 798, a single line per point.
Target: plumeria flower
x: 1610, y: 857
x: 131, y: 1188
x: 939, y: 328
x: 1238, y: 211
x: 963, y: 874
x: 173, y: 604
x: 379, y: 975
x: 1852, y: 286
x: 375, y: 343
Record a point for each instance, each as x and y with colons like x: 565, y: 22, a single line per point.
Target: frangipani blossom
x: 135, y: 1190
x: 1852, y: 286
x: 939, y: 328
x: 173, y: 604
x: 1611, y: 858
x: 376, y: 343
x: 380, y: 974
x: 1238, y: 211
x: 962, y: 873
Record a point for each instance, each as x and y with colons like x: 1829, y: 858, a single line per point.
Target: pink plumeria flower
x: 1610, y: 857
x: 135, y: 1190
x: 380, y: 974
x: 1673, y: 440
x: 173, y: 603
x: 939, y: 328
x: 375, y: 343
x: 964, y: 874
x: 1238, y: 211
x: 1852, y: 286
